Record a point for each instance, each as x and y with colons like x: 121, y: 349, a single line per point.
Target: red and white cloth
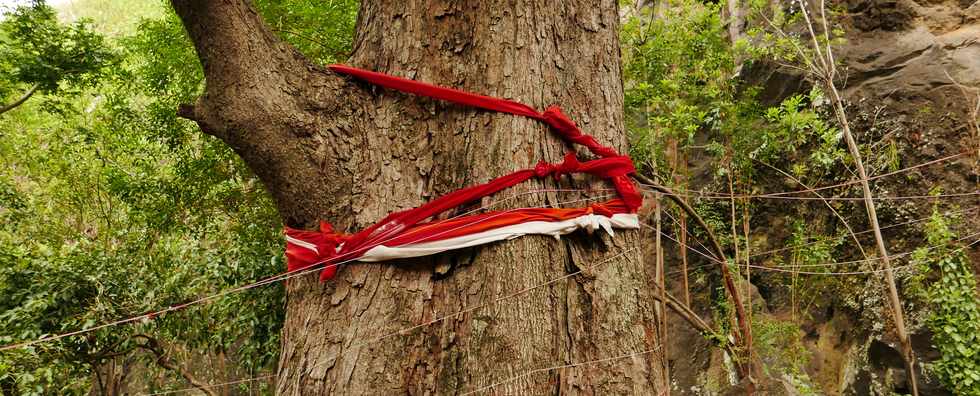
x: 405, y: 234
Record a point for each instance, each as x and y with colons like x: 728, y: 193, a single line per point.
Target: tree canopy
x: 41, y: 54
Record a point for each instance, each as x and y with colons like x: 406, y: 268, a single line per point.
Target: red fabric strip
x: 567, y: 129
x: 404, y: 226
x: 301, y: 257
x: 553, y: 116
x: 396, y: 223
x: 437, y: 92
x: 465, y: 225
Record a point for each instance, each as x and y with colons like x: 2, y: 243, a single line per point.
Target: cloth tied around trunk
x: 404, y: 234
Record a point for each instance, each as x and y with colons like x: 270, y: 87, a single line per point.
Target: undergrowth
x: 944, y: 279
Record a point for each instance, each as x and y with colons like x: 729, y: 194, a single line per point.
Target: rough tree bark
x: 349, y: 153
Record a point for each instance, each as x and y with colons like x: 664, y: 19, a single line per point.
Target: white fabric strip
x: 302, y: 243
x: 590, y: 222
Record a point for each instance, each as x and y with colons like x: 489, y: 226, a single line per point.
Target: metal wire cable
x: 273, y: 279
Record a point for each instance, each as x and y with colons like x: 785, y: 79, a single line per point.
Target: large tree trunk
x: 349, y: 153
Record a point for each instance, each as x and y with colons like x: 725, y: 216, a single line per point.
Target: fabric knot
x: 560, y: 122
x: 331, y: 241
x: 566, y: 128
x: 309, y: 248
x: 600, y: 209
x: 599, y: 216
x: 569, y: 165
x: 544, y: 168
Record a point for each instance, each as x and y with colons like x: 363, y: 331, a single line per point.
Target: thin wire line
x: 563, y: 366
x: 824, y: 239
x: 699, y: 195
x: 702, y: 253
x: 844, y: 184
x: 677, y: 223
x: 241, y: 381
x: 894, y: 256
x: 403, y: 331
x: 281, y: 277
x: 596, y: 265
x: 272, y: 279
x: 863, y: 272
x: 470, y: 309
x: 689, y: 247
x: 780, y: 269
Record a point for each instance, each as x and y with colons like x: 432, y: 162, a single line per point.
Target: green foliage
x: 808, y: 253
x: 781, y: 32
x: 677, y: 68
x: 117, y: 207
x: 686, y: 95
x: 112, y: 18
x: 945, y: 280
x: 796, y: 125
x: 681, y: 80
x: 106, y: 223
x: 35, y: 49
x: 322, y: 31
x: 779, y: 345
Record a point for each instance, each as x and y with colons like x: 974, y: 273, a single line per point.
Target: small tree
x: 39, y: 54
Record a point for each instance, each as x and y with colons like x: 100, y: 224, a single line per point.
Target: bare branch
x: 827, y: 78
x: 23, y: 98
x: 153, y: 345
x: 720, y: 259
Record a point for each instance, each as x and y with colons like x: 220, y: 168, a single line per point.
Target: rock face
x: 911, y: 76
x: 918, y: 62
x: 904, y: 59
x: 907, y: 57
x: 903, y: 49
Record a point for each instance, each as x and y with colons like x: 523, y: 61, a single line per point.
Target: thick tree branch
x: 187, y: 111
x: 231, y: 38
x: 272, y: 106
x: 23, y: 98
x: 244, y: 63
x: 694, y: 320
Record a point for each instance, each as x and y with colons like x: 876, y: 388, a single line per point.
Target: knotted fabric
x: 404, y: 234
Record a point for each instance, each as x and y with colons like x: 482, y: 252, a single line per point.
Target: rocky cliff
x: 910, y: 70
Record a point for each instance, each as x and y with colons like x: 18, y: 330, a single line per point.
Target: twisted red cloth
x: 308, y: 248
